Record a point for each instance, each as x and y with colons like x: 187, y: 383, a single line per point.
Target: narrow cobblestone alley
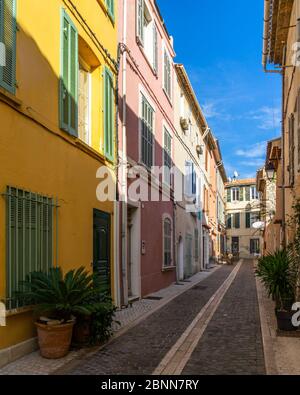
x: 230, y: 344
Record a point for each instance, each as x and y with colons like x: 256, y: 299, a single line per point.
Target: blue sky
x: 220, y: 44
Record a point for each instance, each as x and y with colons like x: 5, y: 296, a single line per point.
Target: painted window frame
x: 144, y: 94
x: 3, y: 84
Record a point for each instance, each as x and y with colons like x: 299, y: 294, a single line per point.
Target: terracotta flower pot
x: 54, y: 341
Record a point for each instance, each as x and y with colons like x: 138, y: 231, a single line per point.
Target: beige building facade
x: 281, y: 50
x: 242, y: 211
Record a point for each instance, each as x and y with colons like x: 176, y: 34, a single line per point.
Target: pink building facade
x: 146, y: 139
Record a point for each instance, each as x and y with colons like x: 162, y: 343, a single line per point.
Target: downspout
x: 124, y: 160
x: 283, y: 151
x: 117, y: 195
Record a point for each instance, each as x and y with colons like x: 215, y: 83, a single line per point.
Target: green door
x: 101, y: 262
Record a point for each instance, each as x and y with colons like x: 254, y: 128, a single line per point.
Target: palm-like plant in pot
x: 59, y: 298
x: 277, y: 275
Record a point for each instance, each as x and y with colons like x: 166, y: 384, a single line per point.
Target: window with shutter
x: 189, y: 178
x: 167, y: 242
x: 167, y: 156
x: 298, y: 128
x: 229, y: 221
x: 30, y: 232
x: 167, y: 74
x: 237, y: 221
x: 69, y: 76
x: 241, y: 194
x: 110, y: 4
x: 247, y: 194
x: 155, y: 49
x: 248, y: 220
x: 147, y: 133
x: 140, y: 20
x: 291, y: 150
x: 108, y: 114
x: 196, y: 244
x: 228, y: 195
x: 8, y: 30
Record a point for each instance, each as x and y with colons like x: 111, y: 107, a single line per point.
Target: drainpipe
x: 124, y: 161
x: 283, y: 151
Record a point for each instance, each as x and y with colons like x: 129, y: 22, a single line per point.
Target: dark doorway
x: 101, y: 262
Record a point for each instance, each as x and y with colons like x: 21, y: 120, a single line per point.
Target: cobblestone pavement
x: 232, y: 342
x: 34, y: 364
x: 140, y: 350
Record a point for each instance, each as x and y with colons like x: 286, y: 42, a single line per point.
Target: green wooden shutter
x: 248, y: 220
x: 108, y: 114
x: 248, y: 196
x: 237, y: 220
x: 69, y: 76
x: 228, y: 195
x: 229, y: 221
x: 140, y: 20
x: 8, y: 30
x: 155, y: 49
x: 111, y: 8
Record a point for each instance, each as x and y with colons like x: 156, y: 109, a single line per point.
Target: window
x: 167, y: 228
x: 235, y: 245
x: 196, y: 244
x: 29, y: 238
x: 147, y: 33
x: 251, y: 218
x: 167, y: 156
x: 298, y: 128
x: 228, y: 195
x: 235, y: 194
x: 108, y: 114
x: 110, y: 4
x: 8, y: 30
x: 254, y: 194
x: 237, y: 220
x: 229, y: 221
x: 84, y: 97
x: 167, y: 74
x: 247, y: 194
x: 69, y: 77
x: 147, y: 133
x: 190, y: 179
x: 254, y: 246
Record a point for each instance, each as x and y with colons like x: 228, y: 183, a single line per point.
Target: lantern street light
x: 270, y: 170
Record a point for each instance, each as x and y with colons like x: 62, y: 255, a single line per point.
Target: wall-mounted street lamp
x: 270, y: 170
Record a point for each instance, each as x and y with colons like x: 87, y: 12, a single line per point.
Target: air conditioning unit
x: 184, y: 123
x: 199, y: 150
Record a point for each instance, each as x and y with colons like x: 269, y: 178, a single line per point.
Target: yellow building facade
x: 57, y: 127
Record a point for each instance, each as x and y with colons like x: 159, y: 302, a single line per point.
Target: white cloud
x: 257, y: 150
x: 258, y: 163
x: 269, y: 117
x: 210, y: 110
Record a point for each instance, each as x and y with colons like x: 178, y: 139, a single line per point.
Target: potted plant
x: 57, y: 300
x: 277, y: 275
